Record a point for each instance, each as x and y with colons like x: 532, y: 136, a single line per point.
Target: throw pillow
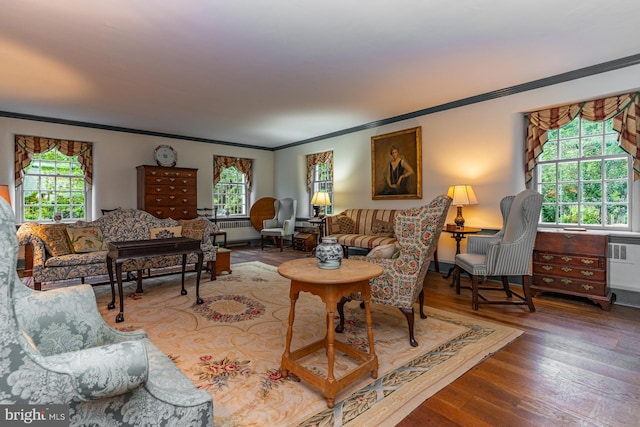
x: 193, y: 228
x: 166, y: 232
x: 55, y: 238
x: 383, y: 251
x: 346, y: 225
x: 86, y: 239
x: 382, y: 228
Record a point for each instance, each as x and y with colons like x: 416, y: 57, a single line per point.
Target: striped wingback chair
x: 506, y: 253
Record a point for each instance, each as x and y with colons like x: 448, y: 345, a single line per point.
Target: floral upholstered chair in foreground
x: 401, y: 283
x: 506, y: 253
x: 56, y: 349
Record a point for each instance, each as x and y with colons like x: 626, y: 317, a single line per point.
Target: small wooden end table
x: 223, y: 261
x: 330, y: 286
x: 136, y: 249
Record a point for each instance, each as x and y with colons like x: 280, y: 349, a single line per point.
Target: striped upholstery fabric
x: 363, y: 219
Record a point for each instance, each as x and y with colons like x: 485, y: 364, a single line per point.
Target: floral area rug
x: 232, y: 345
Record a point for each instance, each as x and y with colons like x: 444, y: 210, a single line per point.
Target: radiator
x: 227, y: 225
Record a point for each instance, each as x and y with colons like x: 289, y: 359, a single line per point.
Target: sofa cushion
x: 346, y: 225
x: 165, y: 232
x: 86, y: 239
x: 55, y: 238
x: 382, y: 228
x: 383, y: 251
x: 194, y: 228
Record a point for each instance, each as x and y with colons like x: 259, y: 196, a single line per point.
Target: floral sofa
x: 362, y: 228
x: 57, y: 349
x: 79, y: 250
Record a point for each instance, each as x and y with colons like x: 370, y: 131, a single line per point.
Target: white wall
x: 116, y: 155
x: 480, y: 144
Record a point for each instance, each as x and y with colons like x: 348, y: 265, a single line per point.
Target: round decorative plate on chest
x: 165, y: 156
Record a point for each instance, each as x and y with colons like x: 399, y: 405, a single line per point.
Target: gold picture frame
x: 396, y: 165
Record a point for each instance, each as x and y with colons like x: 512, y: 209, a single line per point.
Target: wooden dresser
x: 168, y: 192
x: 572, y: 263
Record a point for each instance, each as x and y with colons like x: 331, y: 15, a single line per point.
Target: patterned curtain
x: 313, y: 160
x: 243, y: 165
x: 623, y: 108
x: 26, y: 145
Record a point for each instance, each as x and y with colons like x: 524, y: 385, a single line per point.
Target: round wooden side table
x: 330, y: 286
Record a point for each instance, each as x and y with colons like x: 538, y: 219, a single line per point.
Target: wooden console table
x: 330, y: 286
x: 136, y: 249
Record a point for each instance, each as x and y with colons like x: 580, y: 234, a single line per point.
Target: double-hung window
x: 322, y: 180
x: 585, y: 177
x: 230, y: 193
x: 53, y: 182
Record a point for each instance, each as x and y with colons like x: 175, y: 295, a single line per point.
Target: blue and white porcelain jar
x: 329, y: 253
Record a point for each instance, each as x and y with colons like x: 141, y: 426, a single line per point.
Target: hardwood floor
x: 575, y: 364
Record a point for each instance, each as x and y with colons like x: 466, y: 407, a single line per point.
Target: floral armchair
x: 56, y: 349
x: 401, y: 283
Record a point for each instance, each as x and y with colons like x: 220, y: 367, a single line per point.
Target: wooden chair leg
x: 435, y: 260
x: 421, y: 302
x: 281, y: 242
x: 408, y: 313
x: 505, y: 285
x: 474, y: 288
x: 341, y: 303
x: 526, y: 281
x: 456, y: 275
x: 262, y: 242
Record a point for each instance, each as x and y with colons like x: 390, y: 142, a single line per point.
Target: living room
x: 464, y: 140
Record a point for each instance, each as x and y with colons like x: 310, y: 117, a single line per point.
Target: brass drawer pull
x: 587, y: 287
x: 569, y: 236
x: 547, y: 257
x: 586, y: 273
x: 566, y: 269
x: 567, y: 258
x: 587, y: 261
x: 547, y: 267
x: 567, y: 281
x: 172, y: 187
x: 547, y: 279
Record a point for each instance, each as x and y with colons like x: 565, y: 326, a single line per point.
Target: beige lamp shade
x: 462, y: 195
x: 320, y: 198
x: 4, y: 193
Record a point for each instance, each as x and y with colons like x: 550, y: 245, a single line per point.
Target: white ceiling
x: 273, y: 72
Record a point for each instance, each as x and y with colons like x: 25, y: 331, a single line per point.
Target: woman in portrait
x: 397, y: 172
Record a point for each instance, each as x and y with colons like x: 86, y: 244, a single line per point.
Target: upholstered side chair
x: 417, y: 231
x: 283, y: 224
x: 57, y: 349
x: 506, y: 253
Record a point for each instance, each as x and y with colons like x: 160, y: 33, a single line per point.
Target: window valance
x: 26, y: 145
x: 243, y: 165
x: 313, y: 160
x: 625, y: 110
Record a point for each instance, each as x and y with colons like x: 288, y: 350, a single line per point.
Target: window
x: 321, y: 180
x: 53, y: 182
x: 230, y: 193
x: 584, y: 176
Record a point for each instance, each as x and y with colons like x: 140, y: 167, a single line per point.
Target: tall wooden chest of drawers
x: 168, y: 192
x: 572, y: 263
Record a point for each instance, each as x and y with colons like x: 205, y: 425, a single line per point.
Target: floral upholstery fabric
x: 107, y: 377
x: 118, y: 225
x: 54, y: 237
x: 417, y: 230
x: 86, y: 239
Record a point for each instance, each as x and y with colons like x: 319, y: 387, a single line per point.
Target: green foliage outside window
x: 54, y: 182
x: 584, y: 176
x: 230, y: 194
x: 321, y: 180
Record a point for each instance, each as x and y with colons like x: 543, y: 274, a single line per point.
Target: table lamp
x: 4, y: 193
x: 319, y: 200
x: 461, y: 195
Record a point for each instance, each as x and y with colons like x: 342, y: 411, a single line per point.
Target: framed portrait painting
x: 396, y: 165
